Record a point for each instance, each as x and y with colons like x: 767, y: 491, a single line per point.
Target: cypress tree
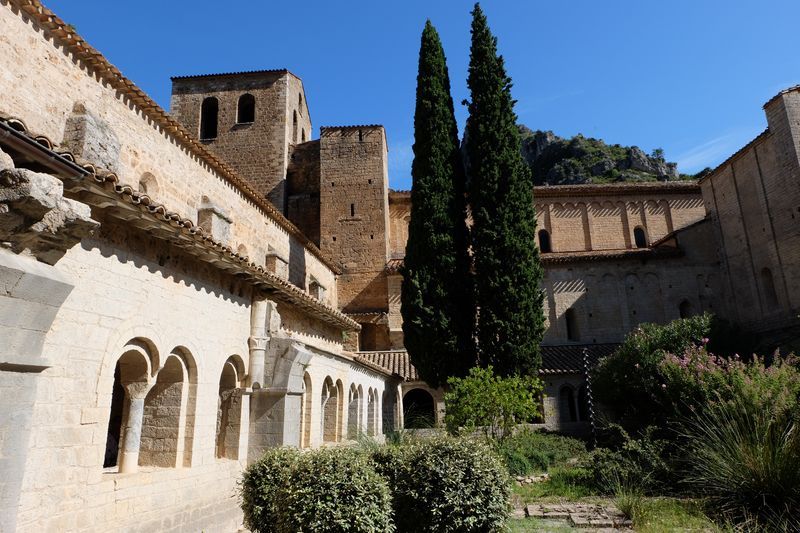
x: 508, y: 272
x: 436, y: 296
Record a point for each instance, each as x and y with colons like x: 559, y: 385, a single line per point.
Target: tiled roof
x: 612, y: 189
x: 560, y: 359
x: 103, y: 189
x: 395, y: 361
x: 65, y: 35
x: 393, y: 266
x: 239, y: 73
x: 350, y: 127
x: 568, y: 358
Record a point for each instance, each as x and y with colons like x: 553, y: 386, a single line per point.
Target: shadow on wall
x: 297, y: 264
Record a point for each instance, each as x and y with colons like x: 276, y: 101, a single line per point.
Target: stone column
x: 258, y: 341
x: 128, y: 460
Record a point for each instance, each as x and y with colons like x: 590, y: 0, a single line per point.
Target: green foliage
x: 446, y: 484
x: 508, y: 272
x: 565, y: 482
x: 436, y: 298
x: 746, y: 461
x: 634, y: 465
x: 260, y: 487
x: 637, y: 364
x: 495, y: 404
x: 328, y: 490
x: 530, y: 451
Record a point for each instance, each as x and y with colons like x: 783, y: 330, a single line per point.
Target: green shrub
x: 527, y: 451
x: 495, y: 404
x: 259, y: 487
x: 635, y: 465
x: 446, y: 484
x: 746, y: 461
x: 327, y: 490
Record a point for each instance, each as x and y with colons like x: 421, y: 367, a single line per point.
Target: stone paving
x: 587, y: 516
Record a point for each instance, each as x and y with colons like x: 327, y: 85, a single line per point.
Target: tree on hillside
x: 507, y: 268
x: 438, y: 315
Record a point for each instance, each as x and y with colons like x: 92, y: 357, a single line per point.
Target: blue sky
x: 689, y: 76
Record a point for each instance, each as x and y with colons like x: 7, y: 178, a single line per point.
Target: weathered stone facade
x: 179, y: 293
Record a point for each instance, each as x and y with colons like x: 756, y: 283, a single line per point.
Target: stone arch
x: 419, y: 409
x: 209, y: 117
x: 339, y: 410
x: 308, y: 404
x: 131, y: 382
x: 164, y: 416
x: 246, y: 109
x: 354, y: 412
x: 148, y: 185
x: 229, y: 409
x: 567, y: 409
x: 329, y: 403
x: 372, y: 412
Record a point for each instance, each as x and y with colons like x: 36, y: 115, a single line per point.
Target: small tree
x: 493, y: 403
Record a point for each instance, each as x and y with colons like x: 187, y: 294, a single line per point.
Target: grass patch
x: 529, y: 525
x: 564, y: 483
x: 659, y: 515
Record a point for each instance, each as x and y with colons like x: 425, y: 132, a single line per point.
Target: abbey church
x: 181, y: 290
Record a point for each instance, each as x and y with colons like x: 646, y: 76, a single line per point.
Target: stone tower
x: 354, y: 212
x: 250, y: 119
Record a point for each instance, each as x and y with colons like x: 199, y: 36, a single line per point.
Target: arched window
x: 571, y: 319
x: 544, y: 241
x: 640, y: 237
x: 372, y: 412
x: 209, y: 114
x: 354, y: 413
x: 685, y: 309
x: 566, y: 405
x: 418, y: 409
x: 768, y: 286
x: 330, y: 411
x: 294, y: 126
x: 246, y: 110
x: 229, y: 410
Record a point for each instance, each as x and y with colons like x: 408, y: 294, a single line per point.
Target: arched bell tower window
x: 246, y: 110
x: 572, y: 325
x: 209, y: 114
x: 640, y: 237
x: 544, y: 241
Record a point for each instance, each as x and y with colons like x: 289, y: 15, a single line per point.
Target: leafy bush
x: 637, y: 364
x: 496, y: 404
x: 259, y: 487
x: 640, y: 464
x: 328, y: 490
x: 446, y: 484
x: 528, y: 451
x: 746, y: 461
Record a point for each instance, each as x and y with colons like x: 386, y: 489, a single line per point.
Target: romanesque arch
x: 246, y: 109
x: 372, y: 412
x: 329, y: 403
x: 229, y: 409
x: 354, y: 412
x: 209, y: 116
x: 419, y: 409
x: 308, y: 403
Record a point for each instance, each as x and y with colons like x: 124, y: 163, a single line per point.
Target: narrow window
x: 572, y: 325
x: 640, y: 237
x: 209, y: 112
x: 583, y: 404
x: 567, y: 408
x: 544, y: 241
x: 685, y: 309
x: 352, y: 210
x: 768, y: 285
x: 360, y: 136
x: 294, y: 126
x: 246, y: 110
x: 303, y: 135
x: 300, y: 103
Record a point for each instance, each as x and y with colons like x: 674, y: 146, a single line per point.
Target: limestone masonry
x: 180, y: 291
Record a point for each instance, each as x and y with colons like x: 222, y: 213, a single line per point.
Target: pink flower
x: 663, y: 385
x: 705, y: 340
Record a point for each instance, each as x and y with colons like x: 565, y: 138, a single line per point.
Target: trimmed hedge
x: 446, y: 484
x: 325, y: 491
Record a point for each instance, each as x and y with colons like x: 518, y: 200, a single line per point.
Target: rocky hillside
x: 558, y: 161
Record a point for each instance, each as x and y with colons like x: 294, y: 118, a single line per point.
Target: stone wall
x: 753, y: 200
x: 354, y: 213
x: 36, y: 70
x: 303, y: 183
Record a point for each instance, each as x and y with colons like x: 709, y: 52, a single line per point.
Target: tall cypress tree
x: 436, y: 297
x: 508, y: 272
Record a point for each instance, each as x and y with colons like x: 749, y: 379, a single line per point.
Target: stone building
x: 182, y: 290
